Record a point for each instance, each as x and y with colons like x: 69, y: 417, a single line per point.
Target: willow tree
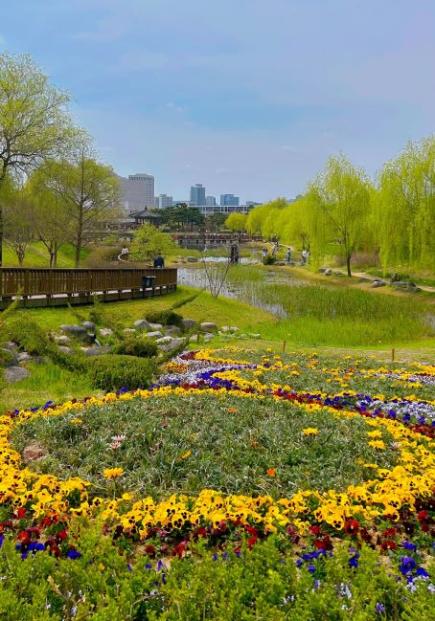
x: 293, y: 224
x: 262, y: 220
x: 236, y: 222
x: 404, y: 215
x: 34, y: 123
x: 338, y: 204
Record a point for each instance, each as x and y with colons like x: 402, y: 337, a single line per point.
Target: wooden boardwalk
x: 59, y: 287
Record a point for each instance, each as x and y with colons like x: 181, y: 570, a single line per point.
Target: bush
x: 28, y: 335
x: 166, y: 318
x: 101, y: 256
x: 112, y: 372
x: 269, y: 260
x: 142, y: 347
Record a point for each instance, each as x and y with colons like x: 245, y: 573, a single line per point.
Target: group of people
x: 305, y: 255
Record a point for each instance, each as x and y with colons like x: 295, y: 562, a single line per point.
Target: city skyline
x: 249, y: 96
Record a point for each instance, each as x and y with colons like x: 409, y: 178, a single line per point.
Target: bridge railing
x: 48, y: 282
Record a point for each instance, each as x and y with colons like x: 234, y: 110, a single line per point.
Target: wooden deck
x: 59, y: 287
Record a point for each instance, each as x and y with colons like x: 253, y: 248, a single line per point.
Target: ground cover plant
x: 233, y: 462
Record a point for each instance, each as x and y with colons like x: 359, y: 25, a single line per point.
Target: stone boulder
x: 105, y: 332
x: 229, y: 329
x: 24, y: 356
x: 173, y: 331
x: 171, y: 344
x: 208, y: 337
x: 33, y: 452
x: 61, y: 339
x: 8, y: 358
x: 89, y: 325
x: 155, y: 334
x: 189, y: 324
x: 378, y: 283
x: 155, y: 326
x: 328, y: 272
x: 64, y: 349
x: 142, y: 324
x: 96, y: 350
x: 163, y: 340
x: 208, y: 326
x: 15, y: 374
x: 74, y: 330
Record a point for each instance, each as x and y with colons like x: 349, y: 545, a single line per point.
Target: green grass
x: 187, y: 443
x: 47, y: 381
x: 37, y: 256
x: 203, y: 308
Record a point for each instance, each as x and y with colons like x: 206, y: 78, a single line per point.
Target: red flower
x: 390, y: 532
x: 150, y: 550
x: 62, y: 535
x: 180, y: 549
x: 252, y: 541
x: 389, y: 544
x: 315, y: 530
x: 21, y: 512
x: 323, y: 543
x: 422, y: 515
x: 351, y: 526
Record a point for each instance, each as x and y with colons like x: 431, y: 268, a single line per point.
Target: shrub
x: 141, y: 347
x: 112, y: 372
x: 166, y: 318
x: 269, y: 260
x: 101, y: 256
x: 28, y: 335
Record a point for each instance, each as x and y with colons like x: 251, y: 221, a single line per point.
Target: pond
x: 249, y: 290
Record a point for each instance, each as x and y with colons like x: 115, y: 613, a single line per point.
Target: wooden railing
x: 70, y: 283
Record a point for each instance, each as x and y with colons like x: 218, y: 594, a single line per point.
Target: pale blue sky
x: 244, y: 96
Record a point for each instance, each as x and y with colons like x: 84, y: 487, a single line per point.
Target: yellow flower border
x: 381, y: 496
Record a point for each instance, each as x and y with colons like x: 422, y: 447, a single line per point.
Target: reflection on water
x: 248, y: 291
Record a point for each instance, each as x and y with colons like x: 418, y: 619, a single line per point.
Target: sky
x: 248, y: 97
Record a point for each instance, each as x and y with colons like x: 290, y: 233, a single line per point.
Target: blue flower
x: 407, y: 565
x: 408, y: 545
x: 380, y: 608
x: 73, y: 554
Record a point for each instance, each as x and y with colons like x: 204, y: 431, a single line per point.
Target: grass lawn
x: 37, y: 256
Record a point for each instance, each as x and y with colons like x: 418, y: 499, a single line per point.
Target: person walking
x: 289, y: 255
x: 159, y: 262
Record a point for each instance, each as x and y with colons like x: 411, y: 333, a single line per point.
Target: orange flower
x: 271, y: 472
x: 232, y: 410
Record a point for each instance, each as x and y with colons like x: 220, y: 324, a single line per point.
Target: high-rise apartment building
x: 137, y: 192
x: 197, y: 195
x: 229, y: 200
x: 163, y: 201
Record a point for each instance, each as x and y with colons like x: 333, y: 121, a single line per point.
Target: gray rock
x: 189, y: 324
x: 155, y: 326
x: 194, y: 339
x: 164, y: 340
x: 15, y: 374
x: 24, y: 356
x: 229, y: 329
x: 62, y: 339
x: 322, y: 270
x: 171, y: 344
x: 10, y: 346
x: 96, y: 350
x: 64, y: 349
x: 129, y: 330
x: 208, y: 326
x: 208, y: 337
x: 378, y: 283
x: 105, y: 332
x: 142, y: 324
x: 74, y: 330
x: 173, y: 331
x: 156, y: 334
x: 328, y: 272
x: 8, y: 358
x: 89, y: 325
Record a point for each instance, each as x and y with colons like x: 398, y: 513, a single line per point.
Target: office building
x: 197, y: 195
x: 163, y: 200
x: 137, y: 192
x: 210, y: 201
x: 229, y: 200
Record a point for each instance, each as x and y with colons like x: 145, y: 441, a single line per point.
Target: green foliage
x: 261, y: 583
x: 137, y: 345
x: 112, y: 372
x: 181, y: 216
x: 236, y: 222
x: 404, y: 218
x: 166, y: 318
x: 148, y: 242
x: 28, y: 335
x: 186, y: 444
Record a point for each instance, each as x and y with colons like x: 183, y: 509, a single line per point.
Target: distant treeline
x: 344, y: 212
